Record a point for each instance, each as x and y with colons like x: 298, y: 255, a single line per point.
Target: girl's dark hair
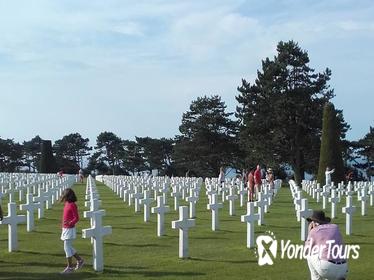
x: 68, y: 195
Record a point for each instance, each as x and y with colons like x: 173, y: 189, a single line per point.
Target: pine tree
x: 330, y: 152
x: 47, y: 161
x: 280, y: 113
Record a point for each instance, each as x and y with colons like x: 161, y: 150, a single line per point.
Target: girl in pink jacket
x: 69, y: 219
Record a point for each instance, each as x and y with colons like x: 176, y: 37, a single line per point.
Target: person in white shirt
x: 328, y: 175
x: 221, y: 177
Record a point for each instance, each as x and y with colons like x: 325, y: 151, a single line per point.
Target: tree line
x: 277, y: 123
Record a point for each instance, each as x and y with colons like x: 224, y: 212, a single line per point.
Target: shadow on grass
x: 147, y: 273
x: 285, y: 226
x: 223, y: 261
x: 48, y: 254
x: 136, y: 245
x: 209, y: 238
x: 129, y: 228
x: 32, y: 275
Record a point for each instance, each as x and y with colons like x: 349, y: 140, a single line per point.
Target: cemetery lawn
x: 134, y: 251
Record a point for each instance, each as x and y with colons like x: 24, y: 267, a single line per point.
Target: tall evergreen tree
x: 365, y: 149
x: 331, y: 149
x: 47, y: 160
x: 280, y: 113
x: 11, y: 154
x: 72, y: 147
x: 111, y: 150
x: 207, y: 139
x: 32, y: 153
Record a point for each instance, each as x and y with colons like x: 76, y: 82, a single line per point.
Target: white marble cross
x: 250, y: 218
x: 334, y: 200
x: 348, y: 210
x: 41, y: 198
x: 371, y: 194
x: 12, y: 220
x: 137, y: 196
x: 349, y: 191
x: 161, y: 209
x: 176, y: 194
x: 325, y: 194
x: 363, y: 198
x: 30, y: 207
x: 318, y: 192
x: 164, y: 192
x: 209, y: 193
x: 97, y: 231
x: 297, y: 202
x: 260, y: 203
x: 146, y: 201
x: 183, y: 224
x: 242, y: 192
x: 214, y: 206
x: 304, y: 214
x: 231, y: 198
x: 192, y: 199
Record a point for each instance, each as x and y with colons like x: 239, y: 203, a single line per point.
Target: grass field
x: 134, y: 251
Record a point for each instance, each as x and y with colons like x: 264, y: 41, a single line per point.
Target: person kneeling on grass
x: 322, y: 264
x: 69, y: 219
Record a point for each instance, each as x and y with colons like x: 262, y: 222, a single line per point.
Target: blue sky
x: 133, y: 67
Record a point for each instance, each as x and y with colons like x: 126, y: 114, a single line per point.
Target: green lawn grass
x: 134, y: 251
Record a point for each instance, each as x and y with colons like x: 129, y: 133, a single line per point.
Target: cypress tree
x: 330, y: 152
x: 47, y: 161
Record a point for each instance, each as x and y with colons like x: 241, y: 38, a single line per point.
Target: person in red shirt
x: 257, y: 179
x: 69, y: 219
x: 251, y: 186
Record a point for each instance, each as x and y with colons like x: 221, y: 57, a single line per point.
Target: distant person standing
x: 328, y: 173
x: 81, y: 175
x: 251, y: 186
x: 270, y: 178
x: 349, y: 177
x: 257, y: 179
x: 221, y: 177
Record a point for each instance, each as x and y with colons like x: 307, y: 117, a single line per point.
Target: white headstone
x: 146, y: 201
x: 260, y: 203
x: 250, y: 218
x: 12, y: 220
x: 231, y: 198
x: 192, y: 199
x: 334, y: 200
x: 176, y: 194
x: 348, y: 210
x: 183, y: 224
x: 30, y: 207
x: 242, y: 192
x: 363, y: 198
x: 304, y: 214
x: 214, y: 206
x: 97, y: 231
x: 325, y: 194
x: 161, y: 209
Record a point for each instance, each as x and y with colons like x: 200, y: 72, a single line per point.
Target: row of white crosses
x: 364, y: 191
x: 97, y: 231
x: 32, y: 203
x: 262, y: 204
x: 302, y: 209
x: 141, y: 189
